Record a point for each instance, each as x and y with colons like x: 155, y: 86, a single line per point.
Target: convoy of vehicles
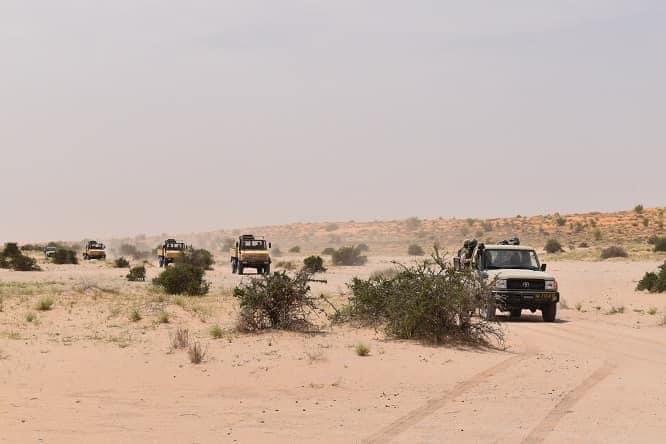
x: 94, y: 250
x: 253, y: 252
x: 169, y: 251
x: 518, y: 280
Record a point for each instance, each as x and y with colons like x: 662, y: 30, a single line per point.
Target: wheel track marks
x: 562, y: 408
x: 407, y: 421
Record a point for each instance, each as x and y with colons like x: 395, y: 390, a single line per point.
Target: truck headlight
x: 551, y: 285
x: 500, y: 284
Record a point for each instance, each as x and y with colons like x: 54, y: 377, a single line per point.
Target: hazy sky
x: 129, y: 116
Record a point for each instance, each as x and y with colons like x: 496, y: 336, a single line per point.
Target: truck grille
x: 526, y: 284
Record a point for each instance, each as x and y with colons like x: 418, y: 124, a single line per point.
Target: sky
x: 156, y: 116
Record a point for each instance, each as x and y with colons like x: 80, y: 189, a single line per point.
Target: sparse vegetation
x: 12, y: 257
x: 328, y: 251
x: 613, y: 251
x: 183, y: 278
x: 361, y: 349
x: 135, y: 315
x: 121, y: 262
x: 615, y: 310
x: 65, y: 256
x: 199, y: 258
x: 429, y: 301
x: 348, y: 256
x: 553, y: 246
x: 652, y: 311
x: 163, y: 317
x: 415, y: 250
x: 331, y: 227
x: 560, y: 221
x: 276, y: 301
x: 638, y: 209
x: 660, y: 244
x: 286, y: 265
x: 314, y: 264
x: 30, y: 316
x: 295, y: 249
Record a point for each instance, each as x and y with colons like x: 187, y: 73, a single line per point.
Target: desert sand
x: 84, y: 372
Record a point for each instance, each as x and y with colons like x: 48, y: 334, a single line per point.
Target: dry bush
x: 135, y: 315
x: 654, y: 282
x: 163, y: 317
x: 137, y: 274
x: 199, y: 258
x: 361, y: 349
x: 44, y: 304
x: 328, y: 251
x: 196, y: 353
x: 121, y: 262
x: 65, y: 256
x: 180, y: 339
x: 553, y: 246
x: 216, y: 332
x: 415, y: 250
x: 429, y: 301
x: 183, y: 278
x: 660, y: 244
x: 276, y: 301
x: 295, y: 249
x: 286, y: 265
x: 613, y: 251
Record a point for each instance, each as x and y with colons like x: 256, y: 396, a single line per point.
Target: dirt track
x: 593, y: 377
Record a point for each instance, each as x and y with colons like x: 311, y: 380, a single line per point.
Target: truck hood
x: 511, y: 273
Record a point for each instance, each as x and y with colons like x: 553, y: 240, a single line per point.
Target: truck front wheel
x: 239, y: 268
x: 267, y: 269
x: 549, y: 312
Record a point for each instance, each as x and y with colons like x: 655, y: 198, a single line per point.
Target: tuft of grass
x: 163, y: 317
x: 652, y: 311
x: 579, y: 306
x: 196, y: 353
x: 180, y: 339
x: 216, y: 332
x: 44, y: 304
x: 135, y: 315
x: 179, y: 301
x: 30, y: 316
x: 361, y: 349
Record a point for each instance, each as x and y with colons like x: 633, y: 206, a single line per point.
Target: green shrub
x: 314, y: 264
x: 361, y: 349
x: 200, y: 258
x: 660, y: 244
x: 216, y: 332
x: 328, y: 251
x: 348, y: 256
x: 121, y: 262
x: 560, y: 221
x: 613, y: 251
x: 44, y: 304
x: 654, y: 282
x: 295, y: 249
x: 11, y: 251
x: 24, y: 263
x: 363, y: 248
x: 183, y: 278
x: 429, y: 301
x: 553, y: 246
x: 65, y: 256
x: 638, y: 209
x: 415, y: 250
x: 137, y: 274
x: 275, y: 301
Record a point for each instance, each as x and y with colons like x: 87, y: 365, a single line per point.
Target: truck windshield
x: 254, y: 244
x: 96, y: 246
x: 175, y: 246
x: 521, y: 259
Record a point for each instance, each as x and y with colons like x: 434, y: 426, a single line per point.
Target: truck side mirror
x: 269, y: 245
x: 543, y: 267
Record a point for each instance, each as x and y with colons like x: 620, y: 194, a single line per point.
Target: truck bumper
x: 506, y: 300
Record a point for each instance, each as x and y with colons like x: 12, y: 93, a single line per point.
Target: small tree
x: 660, y: 244
x: 348, y: 256
x: 11, y: 250
x: 65, y: 256
x: 415, y: 250
x: 314, y: 264
x: 121, y: 262
x: 276, y: 301
x: 638, y: 209
x: 183, y: 278
x: 24, y: 263
x: 198, y: 257
x: 654, y: 282
x: 553, y: 246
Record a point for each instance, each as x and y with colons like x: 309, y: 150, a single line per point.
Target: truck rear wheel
x: 233, y: 267
x: 549, y: 312
x: 267, y: 269
x: 515, y: 313
x: 239, y: 268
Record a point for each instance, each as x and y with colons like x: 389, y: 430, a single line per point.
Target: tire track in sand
x: 407, y: 421
x: 562, y: 408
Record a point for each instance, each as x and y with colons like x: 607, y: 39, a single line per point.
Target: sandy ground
x: 84, y: 372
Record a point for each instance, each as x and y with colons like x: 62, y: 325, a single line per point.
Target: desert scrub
x: 653, y: 282
x: 163, y: 317
x: 44, y: 304
x: 136, y: 274
x: 660, y: 244
x: 199, y: 258
x: 216, y: 332
x: 328, y: 251
x: 65, y: 256
x: 613, y: 251
x: 415, y: 250
x: 295, y: 249
x: 553, y: 246
x: 121, y: 262
x: 183, y: 278
x: 180, y: 338
x: 30, y: 316
x: 361, y: 349
x: 135, y: 315
x: 429, y: 301
x: 314, y: 264
x: 196, y: 353
x: 276, y: 301
x: 348, y: 256
x: 286, y: 265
